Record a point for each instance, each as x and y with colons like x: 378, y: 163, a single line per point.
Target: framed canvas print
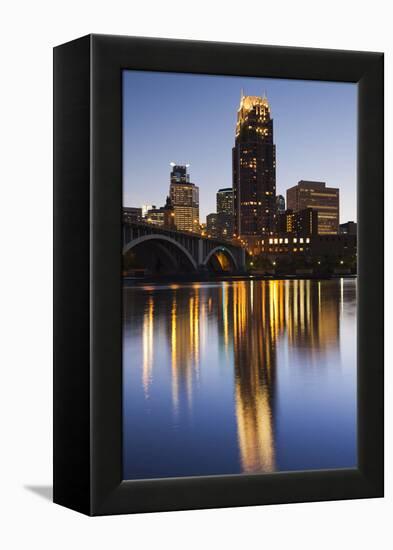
x: 218, y: 275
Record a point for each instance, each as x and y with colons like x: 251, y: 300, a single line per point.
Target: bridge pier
x: 200, y: 252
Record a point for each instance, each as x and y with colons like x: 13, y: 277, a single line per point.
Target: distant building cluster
x: 250, y: 211
x: 219, y: 225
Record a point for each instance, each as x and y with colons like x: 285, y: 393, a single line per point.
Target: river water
x: 239, y: 377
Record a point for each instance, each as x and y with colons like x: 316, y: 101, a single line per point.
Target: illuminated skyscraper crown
x: 249, y: 103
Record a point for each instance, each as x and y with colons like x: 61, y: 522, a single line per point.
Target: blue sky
x: 189, y: 118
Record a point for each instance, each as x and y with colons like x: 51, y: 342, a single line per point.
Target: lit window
x: 295, y: 240
x: 286, y: 241
x: 270, y: 241
x: 308, y: 240
x: 280, y: 241
x: 275, y: 241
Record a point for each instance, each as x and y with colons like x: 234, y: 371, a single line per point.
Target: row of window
x: 286, y: 240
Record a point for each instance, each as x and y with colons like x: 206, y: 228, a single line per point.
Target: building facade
x: 184, y: 197
x: 348, y: 228
x: 254, y: 170
x: 219, y: 226
x: 315, y: 195
x: 280, y: 204
x: 132, y: 214
x: 212, y: 229
x: 313, y: 246
x: 304, y: 222
x: 163, y: 216
x: 224, y: 201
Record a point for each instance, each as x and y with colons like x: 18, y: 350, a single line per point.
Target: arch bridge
x: 163, y: 250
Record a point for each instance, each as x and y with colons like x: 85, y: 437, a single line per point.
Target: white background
x: 28, y: 31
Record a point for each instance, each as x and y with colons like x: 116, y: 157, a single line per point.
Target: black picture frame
x: 87, y: 274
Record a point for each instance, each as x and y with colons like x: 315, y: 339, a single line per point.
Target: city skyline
x: 189, y: 110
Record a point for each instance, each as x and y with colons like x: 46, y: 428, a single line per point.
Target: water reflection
x: 218, y: 377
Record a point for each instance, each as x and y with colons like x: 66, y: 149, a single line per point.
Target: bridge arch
x: 159, y: 238
x: 224, y: 250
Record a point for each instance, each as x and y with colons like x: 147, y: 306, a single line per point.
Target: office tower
x: 179, y: 173
x: 184, y: 197
x: 225, y: 224
x: 280, y: 204
x: 315, y: 194
x: 254, y: 169
x: 224, y: 199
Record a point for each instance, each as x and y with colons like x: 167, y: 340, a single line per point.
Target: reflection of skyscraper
x: 252, y: 319
x: 254, y: 169
x: 184, y: 197
x: 184, y: 344
x: 255, y: 364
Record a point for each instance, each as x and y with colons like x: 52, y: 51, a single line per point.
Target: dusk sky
x: 187, y: 118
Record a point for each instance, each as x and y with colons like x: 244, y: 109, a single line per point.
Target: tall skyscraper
x: 254, y: 169
x: 224, y: 199
x: 184, y: 197
x: 315, y: 194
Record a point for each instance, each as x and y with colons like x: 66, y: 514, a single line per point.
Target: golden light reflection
x: 185, y: 344
x: 251, y: 320
x: 147, y: 338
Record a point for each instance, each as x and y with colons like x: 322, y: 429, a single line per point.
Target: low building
x: 132, y: 214
x: 163, y: 216
x: 348, y: 228
x: 344, y: 246
x: 155, y: 216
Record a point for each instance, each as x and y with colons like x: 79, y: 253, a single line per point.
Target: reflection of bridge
x: 166, y: 250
